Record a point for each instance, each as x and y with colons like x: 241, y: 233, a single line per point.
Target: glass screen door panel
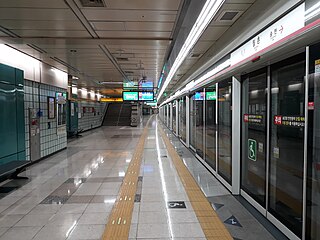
x: 287, y: 142
x: 193, y: 121
x: 196, y: 122
x: 254, y: 137
x: 182, y: 119
x: 174, y: 119
x: 313, y: 187
x: 225, y: 129
x: 211, y: 126
x: 199, y: 125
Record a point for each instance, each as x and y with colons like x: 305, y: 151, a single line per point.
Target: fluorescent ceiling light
x: 207, y: 13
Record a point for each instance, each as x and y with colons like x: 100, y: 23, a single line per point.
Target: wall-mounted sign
x: 130, y: 96
x: 287, y: 25
x: 253, y: 118
x: 310, y: 105
x: 210, y: 96
x: 252, y: 149
x: 146, y: 96
x: 51, y: 107
x: 289, y: 121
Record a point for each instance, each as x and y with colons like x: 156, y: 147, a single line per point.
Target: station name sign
x: 287, y: 25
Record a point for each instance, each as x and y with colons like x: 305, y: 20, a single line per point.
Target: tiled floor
x: 71, y: 194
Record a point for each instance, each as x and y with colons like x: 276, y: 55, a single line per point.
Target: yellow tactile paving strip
x: 211, y: 224
x: 118, y: 225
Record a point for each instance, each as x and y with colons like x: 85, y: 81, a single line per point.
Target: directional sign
x: 252, y: 149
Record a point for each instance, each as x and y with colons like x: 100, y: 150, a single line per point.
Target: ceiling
x: 122, y: 39
x: 233, y: 9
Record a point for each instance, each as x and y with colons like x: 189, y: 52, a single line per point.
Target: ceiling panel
x: 46, y: 33
x: 143, y: 4
x: 33, y: 4
x: 108, y: 26
x: 42, y: 25
x: 149, y: 26
x: 129, y: 15
x: 213, y: 33
x: 36, y: 14
x: 132, y: 34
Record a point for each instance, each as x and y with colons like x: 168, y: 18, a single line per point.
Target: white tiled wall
x: 36, y: 96
x: 91, y: 120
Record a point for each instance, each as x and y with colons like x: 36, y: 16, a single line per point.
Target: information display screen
x: 210, y: 96
x: 198, y: 96
x: 145, y: 96
x: 130, y: 96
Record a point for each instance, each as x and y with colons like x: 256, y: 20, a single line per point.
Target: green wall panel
x: 7, y: 74
x: 19, y: 77
x: 20, y: 120
x: 22, y: 156
x: 8, y: 159
x: 8, y: 120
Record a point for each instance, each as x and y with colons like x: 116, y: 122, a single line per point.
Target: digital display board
x: 145, y: 96
x: 210, y: 96
x: 198, y: 96
x: 146, y: 85
x: 130, y: 96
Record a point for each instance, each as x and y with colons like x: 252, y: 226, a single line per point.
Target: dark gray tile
x: 137, y: 198
x: 113, y: 179
x: 233, y: 221
x: 101, y: 198
x: 217, y: 206
x: 73, y: 180
x: 80, y: 199
x: 55, y: 200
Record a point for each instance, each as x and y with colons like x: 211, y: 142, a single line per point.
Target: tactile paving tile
x: 210, y: 223
x: 118, y: 225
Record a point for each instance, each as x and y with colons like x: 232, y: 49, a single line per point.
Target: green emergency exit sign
x: 252, y: 149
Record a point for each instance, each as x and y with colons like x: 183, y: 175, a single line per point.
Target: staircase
x: 118, y: 114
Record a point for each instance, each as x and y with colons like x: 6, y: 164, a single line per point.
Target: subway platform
x: 125, y: 183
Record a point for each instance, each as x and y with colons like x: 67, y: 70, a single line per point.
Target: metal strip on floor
x: 211, y: 224
x: 118, y: 225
